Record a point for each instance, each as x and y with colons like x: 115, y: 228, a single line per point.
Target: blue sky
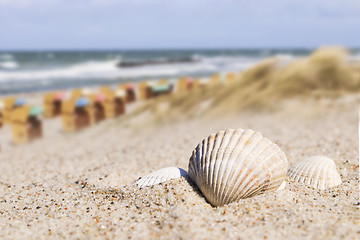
x: 142, y: 24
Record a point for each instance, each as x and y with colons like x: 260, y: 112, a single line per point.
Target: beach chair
x: 76, y: 114
x: 163, y: 81
x: 81, y: 92
x: 114, y: 103
x: 144, y: 92
x: 76, y: 93
x: 159, y: 90
x: 184, y: 84
x: 130, y: 91
x: 1, y: 113
x: 230, y: 78
x: 215, y: 79
x: 10, y: 104
x: 7, y: 108
x: 105, y: 89
x: 98, y: 108
x: 52, y: 103
x: 26, y: 124
x: 199, y: 83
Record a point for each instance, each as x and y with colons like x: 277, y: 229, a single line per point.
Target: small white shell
x: 160, y: 176
x: 317, y: 172
x: 282, y: 186
x: 235, y: 164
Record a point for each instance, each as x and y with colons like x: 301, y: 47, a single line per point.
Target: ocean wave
x: 110, y: 70
x: 9, y: 65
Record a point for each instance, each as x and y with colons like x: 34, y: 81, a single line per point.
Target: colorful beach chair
x: 114, y: 103
x: 184, y: 84
x: 52, y: 103
x: 81, y: 92
x: 1, y: 113
x: 76, y: 114
x: 163, y: 89
x: 26, y: 124
x: 10, y: 104
x: 130, y: 91
x: 98, y: 107
x: 143, y: 90
x: 214, y: 79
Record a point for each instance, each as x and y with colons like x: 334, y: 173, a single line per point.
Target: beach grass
x: 327, y: 72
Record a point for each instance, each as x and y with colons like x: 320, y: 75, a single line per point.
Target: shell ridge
x: 159, y: 176
x: 221, y: 155
x: 235, y: 168
x: 240, y: 158
x: 206, y: 181
x: 243, y: 156
x: 316, y: 171
x: 209, y: 164
x: 218, y: 140
x: 233, y: 156
x: 300, y: 171
x: 197, y: 159
x: 259, y: 172
x: 201, y: 160
x: 191, y: 167
x: 318, y: 177
x: 205, y: 159
x: 146, y: 182
x: 218, y: 164
x: 246, y: 185
x: 272, y: 179
x: 323, y: 184
x: 238, y: 176
x: 309, y: 172
x: 241, y: 175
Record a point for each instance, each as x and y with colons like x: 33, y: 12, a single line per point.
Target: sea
x: 32, y: 71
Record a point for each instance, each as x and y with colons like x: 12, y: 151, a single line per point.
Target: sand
x: 79, y: 185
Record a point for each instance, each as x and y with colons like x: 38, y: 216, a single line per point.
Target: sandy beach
x: 79, y: 185
x: 179, y: 120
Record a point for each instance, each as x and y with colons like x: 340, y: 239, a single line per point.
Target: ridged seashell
x: 160, y: 176
x: 317, y: 172
x: 235, y: 164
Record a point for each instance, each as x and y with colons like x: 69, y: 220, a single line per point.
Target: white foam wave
x: 355, y: 57
x: 9, y: 65
x: 109, y: 70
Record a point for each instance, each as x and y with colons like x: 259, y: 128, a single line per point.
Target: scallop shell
x: 235, y: 164
x: 160, y: 176
x: 317, y: 172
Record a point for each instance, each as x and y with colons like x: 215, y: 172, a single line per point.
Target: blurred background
x: 89, y: 60
x: 55, y: 44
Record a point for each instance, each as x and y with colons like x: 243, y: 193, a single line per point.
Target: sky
x: 179, y: 24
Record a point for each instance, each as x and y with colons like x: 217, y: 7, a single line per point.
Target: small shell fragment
x: 317, y: 172
x: 282, y: 186
x: 161, y: 175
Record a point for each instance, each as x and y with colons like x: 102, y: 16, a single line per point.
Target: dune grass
x: 326, y: 72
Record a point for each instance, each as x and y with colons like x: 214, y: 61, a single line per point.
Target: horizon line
x: 174, y: 49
